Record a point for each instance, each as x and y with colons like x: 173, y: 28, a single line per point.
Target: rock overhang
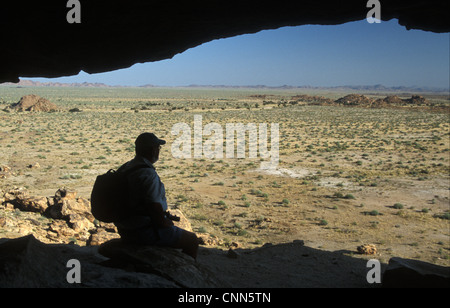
x: 38, y: 41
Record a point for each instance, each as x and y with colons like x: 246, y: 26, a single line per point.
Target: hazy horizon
x: 50, y: 82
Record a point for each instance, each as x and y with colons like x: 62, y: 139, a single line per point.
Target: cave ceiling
x: 38, y: 41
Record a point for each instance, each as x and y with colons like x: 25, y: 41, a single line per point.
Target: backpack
x: 110, y: 194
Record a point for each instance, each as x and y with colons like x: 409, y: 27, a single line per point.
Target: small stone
x: 367, y: 249
x: 234, y: 244
x: 2, y: 222
x: 34, y: 166
x: 65, y: 193
x: 102, y: 236
x: 79, y: 223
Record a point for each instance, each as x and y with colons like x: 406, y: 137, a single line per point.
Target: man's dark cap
x: 146, y: 140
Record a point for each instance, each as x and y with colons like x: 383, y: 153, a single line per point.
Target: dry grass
x: 341, y: 170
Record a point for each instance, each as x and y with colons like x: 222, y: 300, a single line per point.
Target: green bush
x: 323, y: 222
x: 398, y: 206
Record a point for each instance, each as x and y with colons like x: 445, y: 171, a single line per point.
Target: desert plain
x: 347, y: 174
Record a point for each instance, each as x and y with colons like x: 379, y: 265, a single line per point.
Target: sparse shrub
x: 218, y: 223
x: 374, y: 213
x: 241, y: 232
x: 200, y: 217
x: 182, y: 198
x: 398, y: 206
x: 445, y: 215
x: 338, y: 195
x: 323, y: 222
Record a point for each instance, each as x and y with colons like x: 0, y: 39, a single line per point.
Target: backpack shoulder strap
x: 131, y: 170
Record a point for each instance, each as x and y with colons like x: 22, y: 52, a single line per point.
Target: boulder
x: 367, y: 249
x: 407, y: 273
x: 34, y: 103
x: 33, y: 204
x: 390, y: 100
x: 26, y: 262
x: 417, y: 100
x: 5, y: 171
x: 64, y: 193
x: 101, y: 236
x: 208, y: 239
x: 354, y: 100
x: 15, y: 193
x: 166, y: 262
x: 80, y: 223
x: 19, y: 198
x: 183, y: 223
x: 65, y: 203
x: 59, y: 229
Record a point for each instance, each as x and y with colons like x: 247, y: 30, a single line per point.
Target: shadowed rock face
x: 37, y: 40
x: 406, y: 273
x: 26, y: 262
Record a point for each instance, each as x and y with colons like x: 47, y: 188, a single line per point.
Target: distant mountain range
x: 31, y: 83
x: 367, y: 88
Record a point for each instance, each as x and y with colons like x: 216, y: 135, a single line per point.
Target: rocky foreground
x: 56, y: 242
x: 27, y: 262
x: 39, y: 235
x: 61, y: 218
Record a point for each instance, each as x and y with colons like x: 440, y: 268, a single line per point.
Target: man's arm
x: 155, y: 211
x: 150, y: 185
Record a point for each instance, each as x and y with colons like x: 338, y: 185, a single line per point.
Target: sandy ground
x: 346, y: 177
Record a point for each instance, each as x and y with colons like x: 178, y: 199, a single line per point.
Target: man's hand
x: 157, y: 215
x: 166, y: 223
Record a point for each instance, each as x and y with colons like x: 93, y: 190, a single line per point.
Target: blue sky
x: 356, y: 53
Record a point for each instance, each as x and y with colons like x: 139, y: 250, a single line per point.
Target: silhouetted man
x: 148, y: 223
